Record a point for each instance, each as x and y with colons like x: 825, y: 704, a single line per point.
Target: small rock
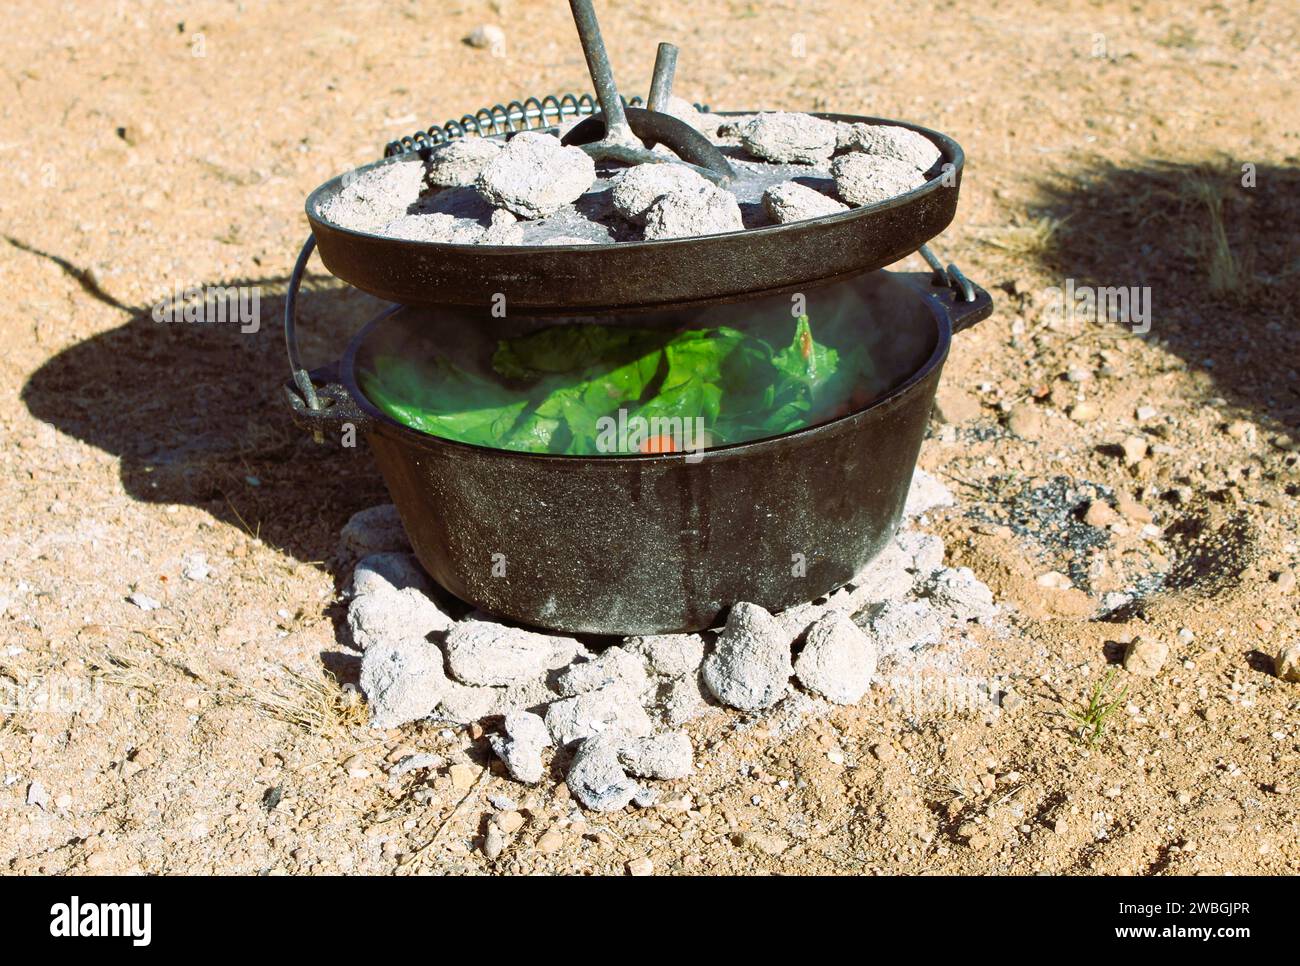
x: 883, y: 752
x: 1025, y: 420
x: 422, y: 761
x: 701, y: 211
x: 641, y: 866
x: 616, y: 667
x: 1054, y: 580
x: 377, y: 529
x: 837, y: 660
x: 961, y: 593
x: 573, y: 719
x: 646, y: 798
x: 461, y: 161
x: 488, y: 37
x: 596, y: 778
x: 535, y: 175
x: 1100, y: 514
x: 1145, y: 657
x: 509, y: 822
x: 463, y: 776
x: 494, y: 841
x: 889, y: 140
x: 386, y: 614
x: 402, y: 679
x: 790, y: 201
x: 926, y: 493
x: 1133, y: 511
x: 1135, y: 450
x: 750, y: 669
x: 1084, y: 412
x: 488, y: 653
x: 550, y: 842
x: 865, y: 179
x: 1287, y: 663
x: 671, y: 655
x: 366, y: 201
x: 666, y: 755
x: 790, y: 138
x: 38, y: 796
x: 143, y: 601
x: 526, y: 737
x: 195, y: 567
x: 388, y: 571
x: 641, y: 186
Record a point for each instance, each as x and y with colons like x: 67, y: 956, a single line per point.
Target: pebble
x: 1025, y: 420
x: 377, y: 529
x: 37, y: 795
x: 790, y: 201
x: 1287, y: 663
x: 764, y: 842
x: 838, y: 659
x: 583, y: 715
x: 463, y: 776
x: 699, y: 211
x: 143, y: 601
x: 488, y: 653
x: 195, y: 567
x: 889, y: 140
x: 494, y: 841
x: 750, y: 669
x: 641, y: 866
x: 509, y: 822
x: 1135, y: 450
x: 535, y: 175
x: 641, y: 186
x: 488, y: 37
x: 790, y: 138
x: 461, y: 161
x: 1084, y: 412
x: 521, y: 747
x: 1100, y: 514
x: 402, y: 679
x: 596, y: 778
x: 667, y: 755
x: 865, y: 179
x: 420, y: 761
x: 387, y: 615
x: 1145, y: 656
x: 550, y: 842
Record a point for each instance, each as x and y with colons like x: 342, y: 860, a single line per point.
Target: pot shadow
x: 195, y: 411
x: 1222, y: 261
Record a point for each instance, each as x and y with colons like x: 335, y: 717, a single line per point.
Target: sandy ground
x: 148, y: 146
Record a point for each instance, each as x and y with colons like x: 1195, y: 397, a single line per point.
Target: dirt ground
x: 148, y: 146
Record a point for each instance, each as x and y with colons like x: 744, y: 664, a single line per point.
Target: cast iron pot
x: 650, y: 544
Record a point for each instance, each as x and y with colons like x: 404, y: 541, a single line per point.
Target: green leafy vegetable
x: 568, y: 388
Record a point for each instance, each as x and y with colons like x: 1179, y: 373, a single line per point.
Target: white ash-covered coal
x: 532, y: 190
x: 619, y: 713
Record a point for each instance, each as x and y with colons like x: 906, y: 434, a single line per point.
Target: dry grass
x: 1225, y: 273
x: 1030, y: 239
x: 315, y: 703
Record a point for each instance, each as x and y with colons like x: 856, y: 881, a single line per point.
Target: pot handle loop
x: 301, y: 378
x: 317, y: 399
x: 964, y: 301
